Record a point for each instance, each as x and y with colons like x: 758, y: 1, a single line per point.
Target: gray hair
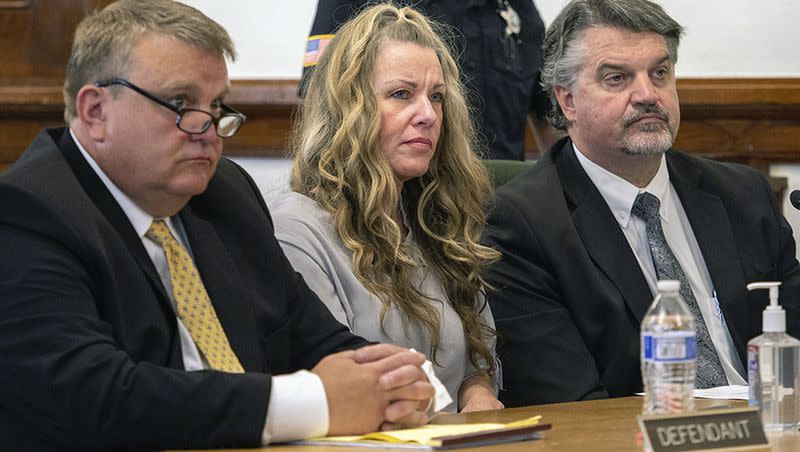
x: 563, y: 51
x: 105, y: 39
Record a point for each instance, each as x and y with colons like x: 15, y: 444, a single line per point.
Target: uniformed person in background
x: 497, y: 42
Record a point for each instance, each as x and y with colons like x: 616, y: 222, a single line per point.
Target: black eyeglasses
x: 191, y: 120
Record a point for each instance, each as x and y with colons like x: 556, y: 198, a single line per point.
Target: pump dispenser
x: 773, y: 317
x: 773, y: 364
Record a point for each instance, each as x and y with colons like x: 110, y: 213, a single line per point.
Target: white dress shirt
x: 620, y: 195
x: 298, y: 405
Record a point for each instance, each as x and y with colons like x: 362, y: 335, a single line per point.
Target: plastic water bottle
x: 668, y: 352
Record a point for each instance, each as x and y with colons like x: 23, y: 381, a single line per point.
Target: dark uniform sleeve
x: 540, y: 100
x: 330, y: 15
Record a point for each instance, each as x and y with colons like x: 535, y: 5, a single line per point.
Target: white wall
x: 271, y: 174
x: 270, y: 35
x: 724, y: 38
x: 729, y: 38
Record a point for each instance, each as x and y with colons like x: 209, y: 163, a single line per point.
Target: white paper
x: 731, y: 392
x: 442, y: 398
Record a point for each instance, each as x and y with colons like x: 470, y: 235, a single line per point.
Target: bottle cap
x: 773, y: 317
x: 668, y: 285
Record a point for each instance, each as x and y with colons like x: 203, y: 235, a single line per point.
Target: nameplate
x: 736, y: 429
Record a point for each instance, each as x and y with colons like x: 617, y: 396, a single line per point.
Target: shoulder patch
x: 315, y: 46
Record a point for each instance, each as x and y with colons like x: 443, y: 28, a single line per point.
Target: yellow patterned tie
x: 194, y: 306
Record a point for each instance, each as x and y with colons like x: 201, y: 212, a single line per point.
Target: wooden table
x: 595, y: 426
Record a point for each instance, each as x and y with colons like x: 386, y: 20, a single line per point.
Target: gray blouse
x: 311, y: 243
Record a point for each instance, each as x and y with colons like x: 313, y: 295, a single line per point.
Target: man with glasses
x: 191, y: 120
x: 144, y: 301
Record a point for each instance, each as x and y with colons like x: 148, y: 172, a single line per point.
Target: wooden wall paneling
x: 264, y: 134
x: 270, y: 106
x: 24, y: 111
x: 16, y: 135
x: 52, y: 32
x: 35, y: 42
x: 54, y: 24
x: 752, y: 121
x: 776, y: 93
x: 36, y: 36
x: 726, y: 139
x: 15, y: 40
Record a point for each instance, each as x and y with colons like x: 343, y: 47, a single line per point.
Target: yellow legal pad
x: 435, y: 436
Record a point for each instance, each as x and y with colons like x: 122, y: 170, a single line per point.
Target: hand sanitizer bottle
x: 773, y: 367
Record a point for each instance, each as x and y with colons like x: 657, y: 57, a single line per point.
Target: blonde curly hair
x: 338, y: 163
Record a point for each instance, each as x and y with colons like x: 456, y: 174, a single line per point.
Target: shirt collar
x: 620, y: 194
x: 140, y: 219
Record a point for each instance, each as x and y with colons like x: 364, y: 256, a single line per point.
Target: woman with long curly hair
x: 386, y: 211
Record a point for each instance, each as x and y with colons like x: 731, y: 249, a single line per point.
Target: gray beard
x: 652, y: 139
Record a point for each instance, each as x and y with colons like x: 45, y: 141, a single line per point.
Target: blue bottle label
x: 672, y: 346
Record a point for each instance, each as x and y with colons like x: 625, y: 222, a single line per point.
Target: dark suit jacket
x: 571, y: 295
x: 90, y: 356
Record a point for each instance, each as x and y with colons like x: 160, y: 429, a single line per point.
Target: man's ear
x: 91, y: 104
x: 566, y: 101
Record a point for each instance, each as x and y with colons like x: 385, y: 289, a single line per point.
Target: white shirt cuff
x: 298, y: 408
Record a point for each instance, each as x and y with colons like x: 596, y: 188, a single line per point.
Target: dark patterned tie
x: 709, y: 370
